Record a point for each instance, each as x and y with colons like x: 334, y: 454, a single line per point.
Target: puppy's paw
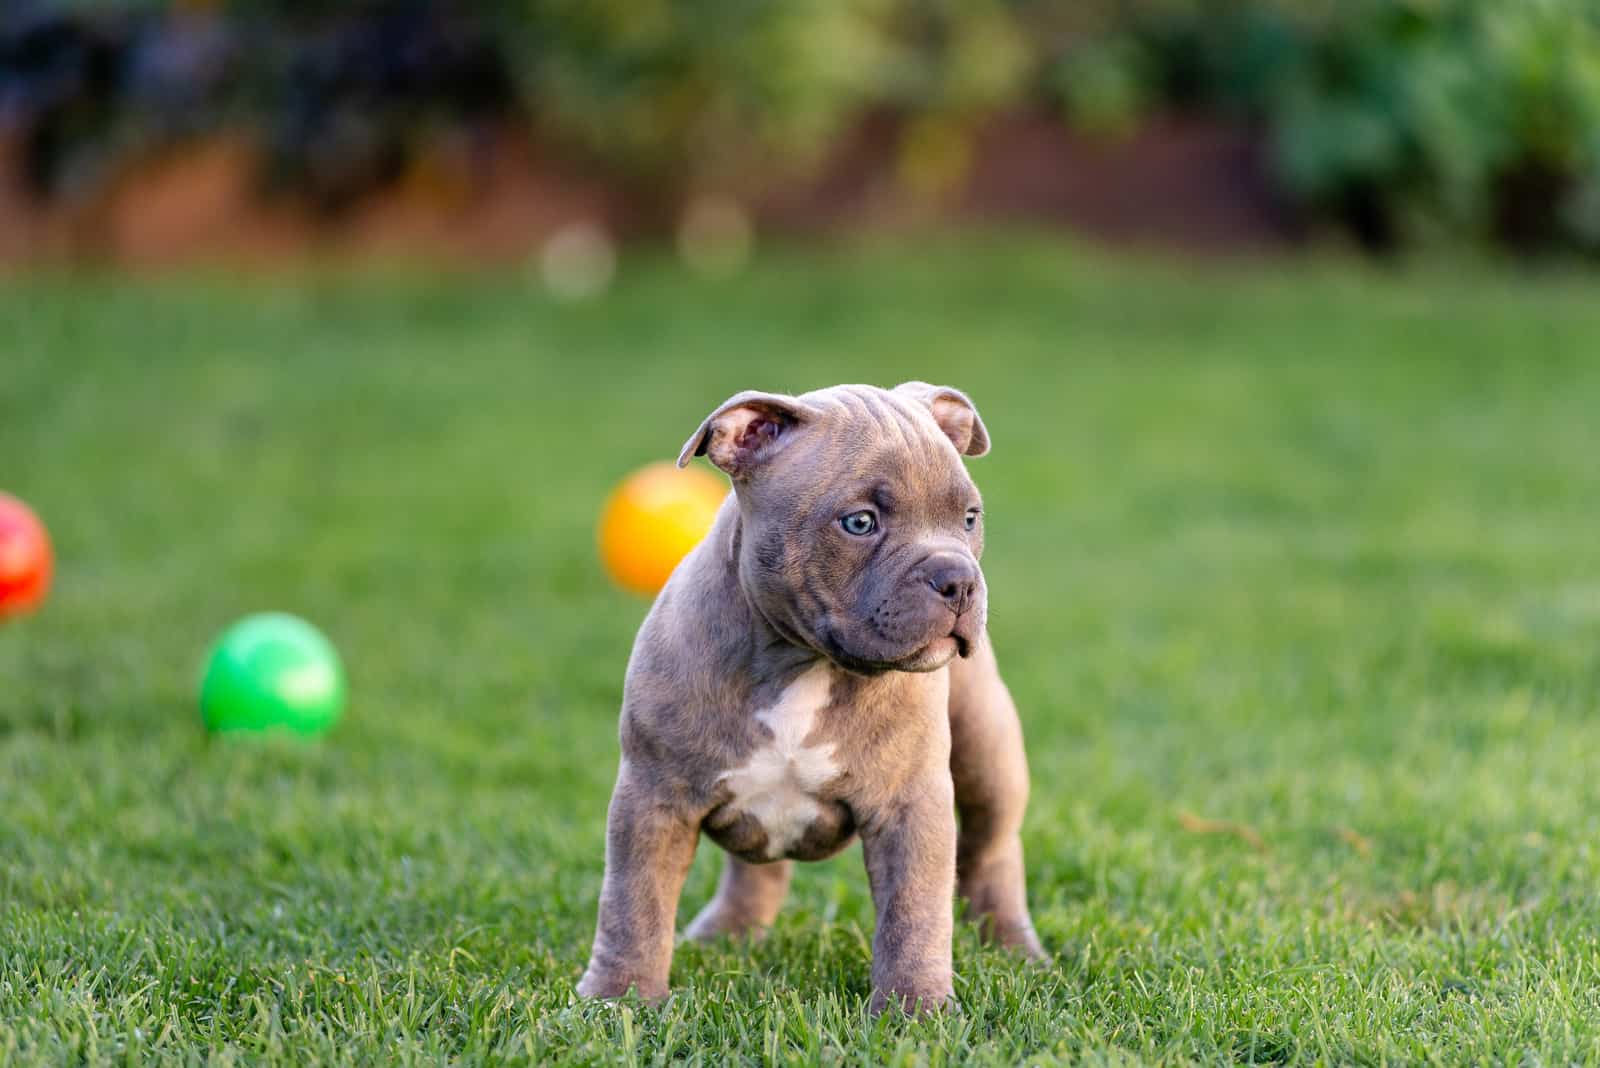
x: 1017, y: 937
x: 611, y: 985
x: 909, y: 1003
x: 1006, y: 928
x: 714, y: 923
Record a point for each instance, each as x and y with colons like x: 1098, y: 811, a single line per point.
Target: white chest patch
x: 777, y: 786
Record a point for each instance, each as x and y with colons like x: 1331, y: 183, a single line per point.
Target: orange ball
x: 653, y: 519
x: 25, y: 558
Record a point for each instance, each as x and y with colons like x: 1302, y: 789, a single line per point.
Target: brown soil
x: 1191, y: 184
x: 1186, y: 183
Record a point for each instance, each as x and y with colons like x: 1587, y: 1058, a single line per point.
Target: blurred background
x: 1282, y: 317
x: 160, y: 131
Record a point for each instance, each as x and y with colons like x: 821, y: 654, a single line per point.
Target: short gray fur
x: 912, y: 721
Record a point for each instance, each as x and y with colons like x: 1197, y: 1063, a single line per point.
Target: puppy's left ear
x: 953, y: 410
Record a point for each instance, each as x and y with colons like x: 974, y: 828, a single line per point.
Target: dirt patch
x: 496, y: 195
x: 1191, y: 183
x: 1182, y: 182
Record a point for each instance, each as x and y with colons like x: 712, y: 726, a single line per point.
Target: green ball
x: 272, y: 672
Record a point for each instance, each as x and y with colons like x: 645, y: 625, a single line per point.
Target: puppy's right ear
x: 745, y: 431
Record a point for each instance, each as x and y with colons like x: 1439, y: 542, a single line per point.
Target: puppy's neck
x: 760, y: 648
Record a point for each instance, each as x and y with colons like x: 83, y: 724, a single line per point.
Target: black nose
x: 955, y: 580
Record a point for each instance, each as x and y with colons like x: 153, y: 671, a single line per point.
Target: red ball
x: 25, y: 558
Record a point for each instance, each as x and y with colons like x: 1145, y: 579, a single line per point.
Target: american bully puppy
x: 816, y: 670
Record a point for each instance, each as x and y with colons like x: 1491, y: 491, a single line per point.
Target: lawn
x: 1295, y: 573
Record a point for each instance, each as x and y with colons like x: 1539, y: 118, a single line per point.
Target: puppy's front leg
x: 649, y: 848
x: 911, y: 864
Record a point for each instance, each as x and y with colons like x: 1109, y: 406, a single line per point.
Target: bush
x: 1406, y: 119
x: 704, y: 85
x: 339, y: 103
x: 1400, y: 119
x: 654, y: 85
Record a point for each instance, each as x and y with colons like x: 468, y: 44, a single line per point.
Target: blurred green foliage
x: 1402, y: 120
x: 660, y: 83
x: 664, y: 84
x: 1406, y: 118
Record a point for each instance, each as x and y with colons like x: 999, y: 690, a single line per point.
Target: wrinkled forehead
x: 870, y: 414
x: 870, y: 435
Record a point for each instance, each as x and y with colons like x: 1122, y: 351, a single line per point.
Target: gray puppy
x: 817, y: 669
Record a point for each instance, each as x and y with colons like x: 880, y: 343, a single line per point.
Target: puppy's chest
x: 778, y: 801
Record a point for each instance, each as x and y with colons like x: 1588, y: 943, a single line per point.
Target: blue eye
x: 972, y: 518
x: 859, y: 523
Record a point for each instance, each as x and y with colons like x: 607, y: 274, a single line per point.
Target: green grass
x: 1311, y: 551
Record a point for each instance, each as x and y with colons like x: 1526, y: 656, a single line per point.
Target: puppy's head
x: 860, y: 528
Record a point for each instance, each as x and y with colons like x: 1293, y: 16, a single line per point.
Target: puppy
x: 818, y: 669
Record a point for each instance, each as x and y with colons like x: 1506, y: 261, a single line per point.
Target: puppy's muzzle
x: 955, y: 580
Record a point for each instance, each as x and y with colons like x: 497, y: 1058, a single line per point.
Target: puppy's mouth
x: 930, y: 657
x: 936, y: 654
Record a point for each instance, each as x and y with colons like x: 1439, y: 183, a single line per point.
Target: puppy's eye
x: 859, y: 523
x: 972, y: 518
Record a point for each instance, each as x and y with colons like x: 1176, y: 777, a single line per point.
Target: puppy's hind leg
x: 990, y: 772
x: 747, y: 901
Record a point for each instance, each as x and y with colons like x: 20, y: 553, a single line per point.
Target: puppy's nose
x: 956, y: 580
